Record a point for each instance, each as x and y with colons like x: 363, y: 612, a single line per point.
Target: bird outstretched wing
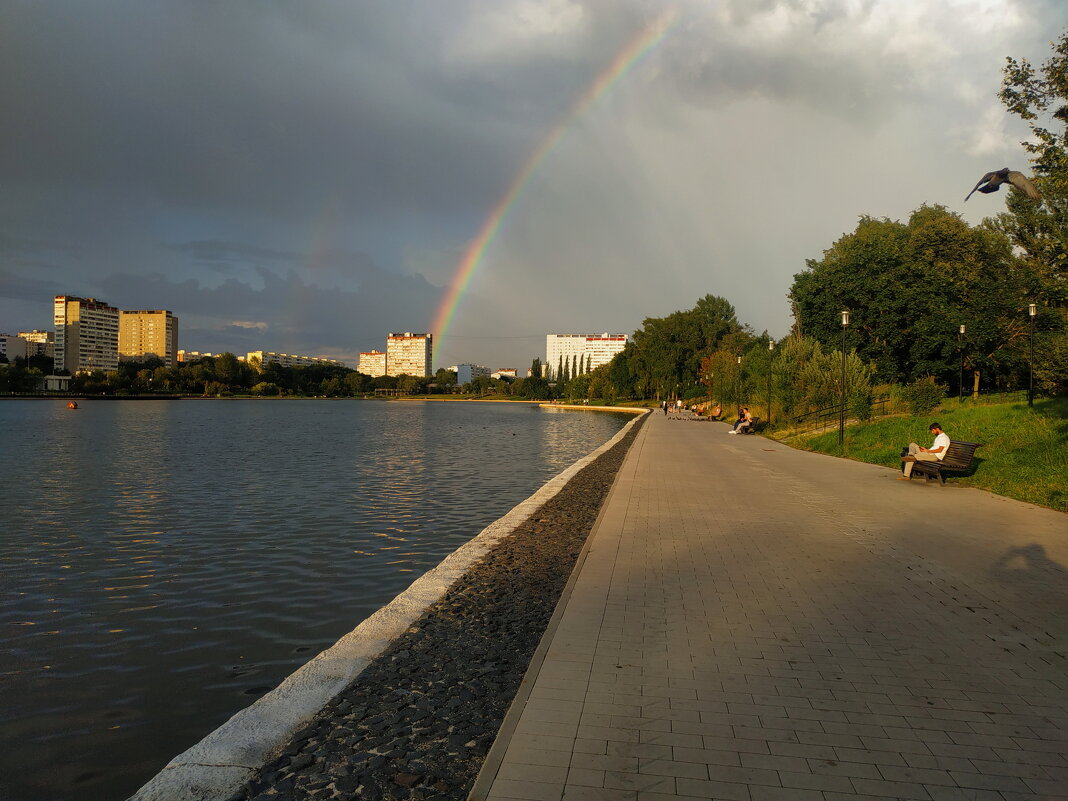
x: 1019, y: 180
x: 982, y: 181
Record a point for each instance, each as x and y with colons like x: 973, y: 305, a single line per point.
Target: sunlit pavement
x: 754, y: 622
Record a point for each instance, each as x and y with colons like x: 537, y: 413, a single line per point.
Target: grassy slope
x: 1024, y: 453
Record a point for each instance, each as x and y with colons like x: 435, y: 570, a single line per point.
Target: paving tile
x: 639, y: 781
x: 580, y: 793
x: 698, y: 788
x: 527, y: 790
x: 533, y: 773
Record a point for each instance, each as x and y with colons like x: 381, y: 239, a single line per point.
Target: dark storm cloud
x: 21, y: 285
x: 216, y: 250
x: 288, y: 314
x: 264, y: 106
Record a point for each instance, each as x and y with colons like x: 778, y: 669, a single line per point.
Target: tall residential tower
x: 409, y: 354
x: 143, y: 334
x: 87, y: 335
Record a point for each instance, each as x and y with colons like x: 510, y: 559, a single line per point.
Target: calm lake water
x: 165, y: 563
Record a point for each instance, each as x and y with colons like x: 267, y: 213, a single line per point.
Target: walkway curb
x: 217, y: 766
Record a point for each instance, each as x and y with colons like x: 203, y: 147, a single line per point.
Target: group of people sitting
x: 744, y: 423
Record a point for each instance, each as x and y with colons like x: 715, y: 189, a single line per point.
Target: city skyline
x: 304, y: 179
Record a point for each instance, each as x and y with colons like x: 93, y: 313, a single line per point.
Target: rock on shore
x: 418, y: 722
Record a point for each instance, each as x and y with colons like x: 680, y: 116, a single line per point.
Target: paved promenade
x: 752, y: 622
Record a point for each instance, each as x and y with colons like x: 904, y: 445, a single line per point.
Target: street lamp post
x: 738, y: 382
x: 1032, y: 310
x: 960, y: 350
x: 771, y: 349
x: 841, y: 413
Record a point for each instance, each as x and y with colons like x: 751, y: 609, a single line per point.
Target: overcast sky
x: 305, y: 177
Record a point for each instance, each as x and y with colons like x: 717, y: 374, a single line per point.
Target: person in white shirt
x: 936, y: 453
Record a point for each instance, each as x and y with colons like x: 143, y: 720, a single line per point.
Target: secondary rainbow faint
x: 624, y: 60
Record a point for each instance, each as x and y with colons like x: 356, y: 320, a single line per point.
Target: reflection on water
x: 162, y: 564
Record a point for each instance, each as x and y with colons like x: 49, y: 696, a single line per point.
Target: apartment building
x: 39, y: 343
x: 580, y: 353
x: 193, y: 355
x: 465, y: 373
x: 86, y: 335
x: 260, y: 358
x: 372, y: 363
x: 144, y: 334
x: 12, y: 347
x: 409, y: 354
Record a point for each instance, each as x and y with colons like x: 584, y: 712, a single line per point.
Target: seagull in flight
x: 994, y: 180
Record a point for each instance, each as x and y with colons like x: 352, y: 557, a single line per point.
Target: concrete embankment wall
x: 219, y: 764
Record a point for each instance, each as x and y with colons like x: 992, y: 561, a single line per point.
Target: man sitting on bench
x: 936, y: 453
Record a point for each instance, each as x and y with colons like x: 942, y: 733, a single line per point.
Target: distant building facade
x: 39, y: 343
x: 580, y: 353
x: 87, y: 335
x: 465, y: 373
x: 144, y: 334
x: 409, y: 354
x: 12, y: 347
x: 372, y: 363
x: 260, y: 358
x: 507, y: 373
x: 193, y: 355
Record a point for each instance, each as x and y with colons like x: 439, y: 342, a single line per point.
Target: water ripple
x: 166, y: 563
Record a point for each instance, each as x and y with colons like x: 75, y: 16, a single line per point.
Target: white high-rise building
x: 580, y: 353
x: 372, y: 363
x: 87, y: 335
x: 409, y: 354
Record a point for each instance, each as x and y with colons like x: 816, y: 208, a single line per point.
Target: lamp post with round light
x: 960, y: 350
x: 771, y: 350
x: 1032, y: 310
x: 842, y: 411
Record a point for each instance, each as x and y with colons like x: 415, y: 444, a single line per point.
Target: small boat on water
x: 72, y: 405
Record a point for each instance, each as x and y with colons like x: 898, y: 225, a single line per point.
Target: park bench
x: 958, y: 459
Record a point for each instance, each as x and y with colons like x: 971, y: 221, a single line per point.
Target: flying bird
x: 994, y: 180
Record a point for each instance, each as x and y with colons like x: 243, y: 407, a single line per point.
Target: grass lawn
x: 1024, y: 453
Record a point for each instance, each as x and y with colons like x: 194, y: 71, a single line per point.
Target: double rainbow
x: 624, y: 60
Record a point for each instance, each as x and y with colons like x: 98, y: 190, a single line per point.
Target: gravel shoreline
x: 418, y: 722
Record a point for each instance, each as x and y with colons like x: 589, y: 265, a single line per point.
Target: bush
x: 923, y: 395
x: 266, y: 388
x: 860, y: 406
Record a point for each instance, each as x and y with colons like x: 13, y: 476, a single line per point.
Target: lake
x: 165, y: 563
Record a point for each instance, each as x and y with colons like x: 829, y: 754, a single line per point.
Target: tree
x: 1039, y: 96
x: 445, y: 378
x: 666, y: 352
x: 908, y: 288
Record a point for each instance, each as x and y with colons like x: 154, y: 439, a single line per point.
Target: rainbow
x: 626, y: 58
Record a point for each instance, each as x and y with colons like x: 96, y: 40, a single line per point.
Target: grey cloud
x: 300, y: 317
x: 213, y: 250
x: 21, y: 285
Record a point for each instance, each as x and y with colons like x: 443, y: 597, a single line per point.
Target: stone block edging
x: 224, y: 760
